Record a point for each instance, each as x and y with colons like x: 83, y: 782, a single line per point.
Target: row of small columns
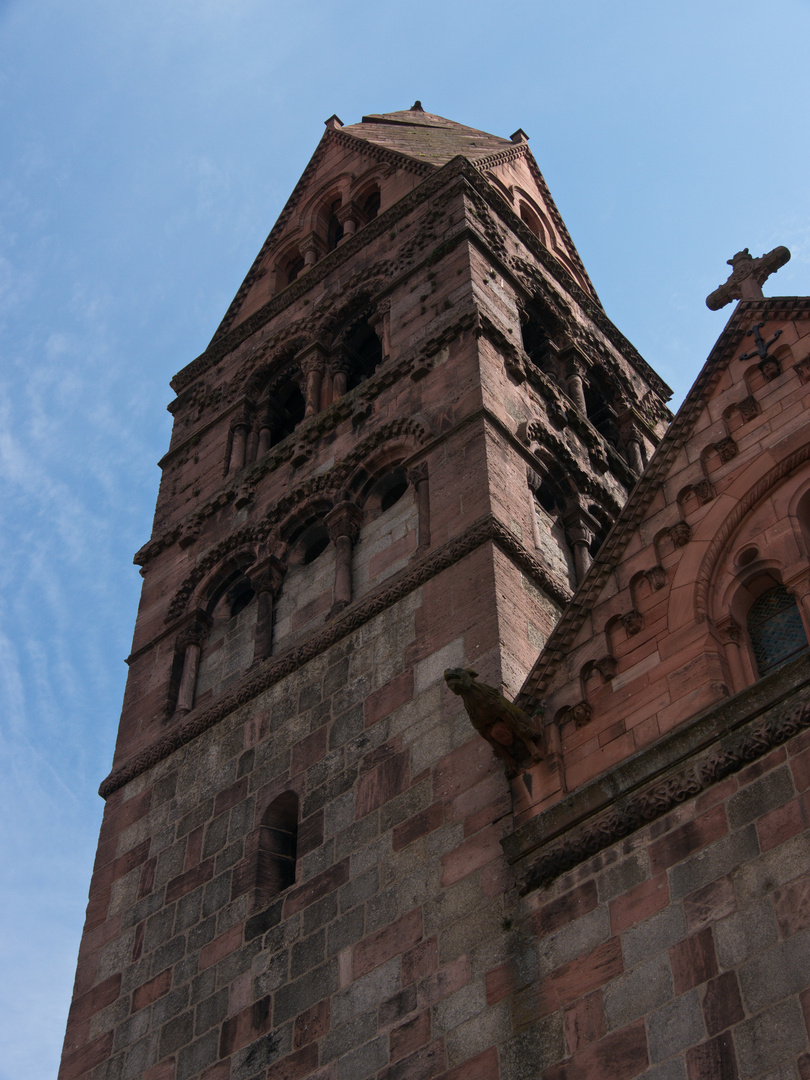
x: 343, y: 526
x: 580, y: 529
x: 576, y: 366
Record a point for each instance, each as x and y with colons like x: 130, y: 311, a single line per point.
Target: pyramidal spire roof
x: 425, y: 136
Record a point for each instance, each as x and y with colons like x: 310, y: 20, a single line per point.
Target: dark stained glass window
x: 775, y: 628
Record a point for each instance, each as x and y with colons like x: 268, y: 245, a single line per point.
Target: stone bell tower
x: 398, y: 454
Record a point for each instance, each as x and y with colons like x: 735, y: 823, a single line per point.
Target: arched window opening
x: 286, y: 411
x: 547, y: 498
x: 231, y: 597
x: 394, y: 493
x: 334, y: 229
x: 277, y: 848
x: 371, y: 205
x: 775, y: 629
x: 293, y: 268
x: 529, y: 218
x: 535, y: 341
x: 600, y: 411
x: 314, y: 544
x: 364, y: 352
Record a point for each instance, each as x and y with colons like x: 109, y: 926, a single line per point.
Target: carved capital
x: 267, y: 577
x: 656, y: 576
x: 726, y: 449
x: 195, y: 631
x: 680, y: 534
x: 344, y: 519
x: 313, y: 357
x: 417, y: 474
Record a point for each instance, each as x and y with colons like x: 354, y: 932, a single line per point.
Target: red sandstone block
x: 759, y: 768
x: 129, y: 812
x: 469, y: 802
x: 310, y: 833
x: 713, y: 1060
x: 136, y: 856
x: 704, y: 906
x: 137, y: 945
x: 95, y: 999
x: 803, y: 1063
x: 495, y: 811
x: 194, y: 842
x: 500, y: 982
x: 383, y: 782
x: 147, y: 882
x: 185, y: 883
x: 312, y: 1023
x: 419, y: 825
x: 483, y: 1066
x: 309, y: 750
x: 571, y: 905
x: 83, y: 1060
x: 164, y: 1070
x: 420, y: 961
x: 690, y: 837
x: 792, y: 906
x: 221, y: 947
x: 425, y: 1064
x: 722, y: 1005
x: 245, y: 1027
x: 693, y: 961
x: 390, y: 941
x: 495, y: 879
x: 584, y: 1022
x: 97, y: 907
x: 295, y: 1066
x: 568, y: 983
x: 220, y: 1071
x: 325, y: 882
x: 800, y: 766
x: 391, y: 554
x: 472, y: 854
x: 780, y: 824
x: 446, y: 981
x: 620, y: 1054
x: 150, y: 991
x: 393, y: 694
x: 716, y: 794
x: 639, y: 903
x: 408, y: 1037
x: 462, y: 769
x: 230, y: 796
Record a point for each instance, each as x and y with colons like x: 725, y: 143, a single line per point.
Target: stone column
x: 632, y: 438
x: 348, y: 215
x: 580, y: 529
x: 380, y: 323
x: 343, y: 524
x: 238, y: 446
x: 265, y: 437
x: 312, y: 362
x: 266, y: 580
x: 190, y: 642
x: 418, y: 476
x: 311, y: 253
x: 731, y: 636
x: 340, y: 377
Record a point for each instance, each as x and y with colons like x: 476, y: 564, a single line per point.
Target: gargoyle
x: 506, y: 728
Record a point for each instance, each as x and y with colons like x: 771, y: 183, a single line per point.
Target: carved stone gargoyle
x: 507, y: 729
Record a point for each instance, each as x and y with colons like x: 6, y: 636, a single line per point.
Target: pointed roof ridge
x: 426, y: 137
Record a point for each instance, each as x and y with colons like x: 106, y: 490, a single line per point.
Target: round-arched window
x: 775, y: 629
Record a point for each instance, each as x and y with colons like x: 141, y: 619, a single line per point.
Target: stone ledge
x: 718, y: 742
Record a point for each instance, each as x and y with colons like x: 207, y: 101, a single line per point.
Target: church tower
x: 398, y: 455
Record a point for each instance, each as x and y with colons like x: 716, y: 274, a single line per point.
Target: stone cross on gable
x: 748, y: 275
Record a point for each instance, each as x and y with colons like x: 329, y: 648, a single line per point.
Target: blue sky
x: 145, y: 151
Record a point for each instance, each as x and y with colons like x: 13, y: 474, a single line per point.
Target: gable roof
x: 680, y: 430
